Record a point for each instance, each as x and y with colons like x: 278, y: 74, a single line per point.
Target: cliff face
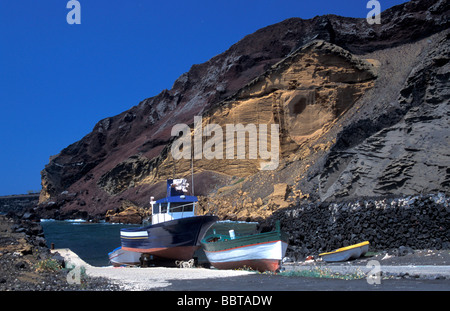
x: 363, y: 111
x: 407, y: 153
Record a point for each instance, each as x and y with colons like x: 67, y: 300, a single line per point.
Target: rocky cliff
x: 18, y: 203
x: 362, y: 111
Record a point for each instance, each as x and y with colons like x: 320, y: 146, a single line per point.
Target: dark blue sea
x: 93, y: 241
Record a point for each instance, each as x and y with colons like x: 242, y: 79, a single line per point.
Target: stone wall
x: 419, y: 222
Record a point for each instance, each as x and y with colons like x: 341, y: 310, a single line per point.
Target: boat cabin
x: 176, y: 205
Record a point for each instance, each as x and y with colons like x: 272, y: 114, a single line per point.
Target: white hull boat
x: 121, y: 257
x: 262, y: 252
x: 346, y: 253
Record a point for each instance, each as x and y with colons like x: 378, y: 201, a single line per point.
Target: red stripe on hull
x: 176, y: 253
x: 256, y: 264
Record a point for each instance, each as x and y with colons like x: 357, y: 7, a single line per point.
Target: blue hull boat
x: 175, y: 232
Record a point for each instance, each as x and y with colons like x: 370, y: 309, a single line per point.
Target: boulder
x: 279, y: 195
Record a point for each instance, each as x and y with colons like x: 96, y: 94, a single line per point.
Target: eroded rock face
x: 124, y: 175
x: 409, y: 157
x: 304, y: 94
x: 128, y: 213
x: 362, y: 110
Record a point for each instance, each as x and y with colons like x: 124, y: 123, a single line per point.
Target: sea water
x: 90, y: 241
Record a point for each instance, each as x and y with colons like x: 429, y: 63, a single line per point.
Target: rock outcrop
x: 362, y: 109
x: 26, y: 263
x: 304, y: 94
x: 18, y: 203
x: 407, y: 153
x: 417, y: 222
x: 128, y: 213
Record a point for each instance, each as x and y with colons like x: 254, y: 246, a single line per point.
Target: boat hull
x: 346, y: 253
x: 120, y: 257
x: 262, y: 256
x: 262, y: 252
x: 176, y: 239
x: 260, y: 265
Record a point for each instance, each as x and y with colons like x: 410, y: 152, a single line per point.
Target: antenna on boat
x: 192, y: 168
x: 174, y: 172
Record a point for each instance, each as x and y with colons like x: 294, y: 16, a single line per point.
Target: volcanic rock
x: 128, y: 213
x: 362, y: 109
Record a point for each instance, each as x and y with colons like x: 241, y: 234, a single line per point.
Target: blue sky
x: 58, y: 80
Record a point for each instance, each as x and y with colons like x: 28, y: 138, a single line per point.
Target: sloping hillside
x: 363, y: 111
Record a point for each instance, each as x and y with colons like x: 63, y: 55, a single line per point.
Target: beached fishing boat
x: 346, y: 253
x: 175, y: 232
x: 239, y: 227
x: 223, y: 227
x: 120, y: 257
x: 262, y: 251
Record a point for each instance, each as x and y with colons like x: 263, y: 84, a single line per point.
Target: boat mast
x: 192, y: 169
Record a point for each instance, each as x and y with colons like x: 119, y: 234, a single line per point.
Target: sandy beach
x: 427, y: 273
x: 134, y: 278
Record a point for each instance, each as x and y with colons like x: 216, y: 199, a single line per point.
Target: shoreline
x: 409, y: 269
x: 23, y: 247
x: 26, y: 263
x: 135, y: 278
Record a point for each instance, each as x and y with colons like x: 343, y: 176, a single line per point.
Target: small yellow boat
x: 346, y: 253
